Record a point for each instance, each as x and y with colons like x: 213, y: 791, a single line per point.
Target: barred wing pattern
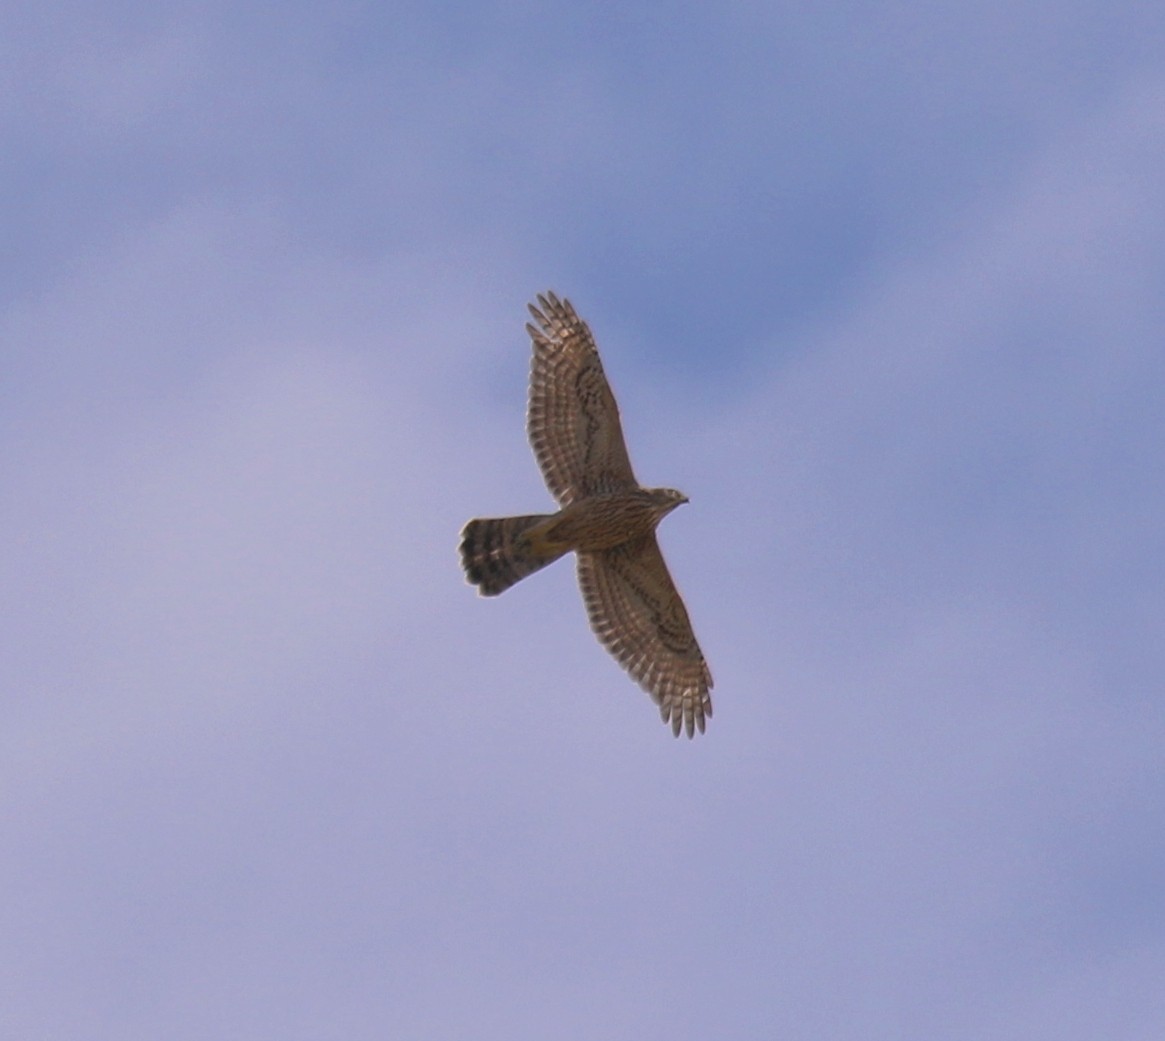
x: 573, y: 421
x: 637, y: 614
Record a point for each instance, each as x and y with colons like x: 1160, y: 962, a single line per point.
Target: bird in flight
x: 606, y: 518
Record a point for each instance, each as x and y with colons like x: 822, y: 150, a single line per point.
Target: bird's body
x: 607, y: 519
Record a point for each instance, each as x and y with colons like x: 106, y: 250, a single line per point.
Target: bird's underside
x: 605, y: 518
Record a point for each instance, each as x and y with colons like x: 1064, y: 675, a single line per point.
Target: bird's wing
x: 637, y: 614
x: 573, y: 421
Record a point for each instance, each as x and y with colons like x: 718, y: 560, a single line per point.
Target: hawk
x: 606, y: 518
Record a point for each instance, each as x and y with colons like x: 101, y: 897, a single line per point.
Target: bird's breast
x: 602, y: 521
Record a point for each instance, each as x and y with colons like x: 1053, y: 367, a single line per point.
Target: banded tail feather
x: 495, y: 555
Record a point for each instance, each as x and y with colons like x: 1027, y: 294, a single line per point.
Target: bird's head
x: 667, y: 499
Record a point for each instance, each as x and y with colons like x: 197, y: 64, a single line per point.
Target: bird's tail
x: 496, y: 552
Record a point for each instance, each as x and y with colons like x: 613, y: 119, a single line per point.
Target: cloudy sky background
x: 880, y: 290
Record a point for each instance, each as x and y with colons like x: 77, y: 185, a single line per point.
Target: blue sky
x: 880, y: 290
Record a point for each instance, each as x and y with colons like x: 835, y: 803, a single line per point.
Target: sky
x: 879, y: 287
